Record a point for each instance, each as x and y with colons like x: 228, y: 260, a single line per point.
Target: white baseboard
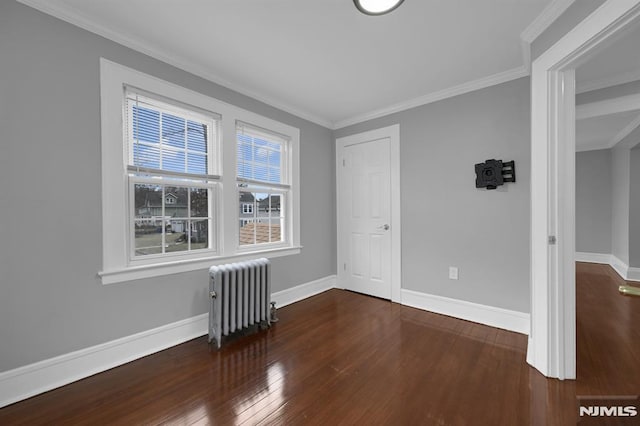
x: 626, y: 272
x: 594, y: 257
x: 620, y: 267
x: 482, y: 314
x: 33, y: 379
x: 295, y: 294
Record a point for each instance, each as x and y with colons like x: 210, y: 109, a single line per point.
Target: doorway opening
x: 552, y: 341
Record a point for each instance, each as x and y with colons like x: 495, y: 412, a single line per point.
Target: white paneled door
x: 364, y: 191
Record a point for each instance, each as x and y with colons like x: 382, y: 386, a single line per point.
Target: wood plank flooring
x: 345, y: 358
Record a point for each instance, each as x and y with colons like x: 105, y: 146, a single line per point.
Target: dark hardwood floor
x: 344, y: 358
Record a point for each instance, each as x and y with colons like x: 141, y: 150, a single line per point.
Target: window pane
x: 146, y: 156
x: 276, y: 221
x: 199, y: 234
x: 176, y: 238
x: 173, y: 130
x: 168, y: 141
x: 244, y: 170
x: 274, y: 174
x: 260, y: 218
x: 197, y: 136
x: 173, y: 160
x: 197, y: 164
x: 148, y: 202
x: 178, y: 214
x: 149, y: 222
x: 260, y: 172
x: 274, y: 158
x: 148, y: 236
x: 146, y: 124
x: 275, y: 204
x: 247, y: 230
x: 244, y: 151
x: 275, y: 232
x: 175, y: 202
x: 260, y: 155
x: 258, y: 158
x: 272, y: 145
x: 199, y: 202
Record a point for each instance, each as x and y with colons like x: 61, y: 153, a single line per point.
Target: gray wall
x: 620, y: 167
x: 51, y: 301
x: 446, y: 221
x: 634, y: 208
x: 593, y: 201
x: 571, y: 17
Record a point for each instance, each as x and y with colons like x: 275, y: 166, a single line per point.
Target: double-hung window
x: 172, y: 177
x: 189, y: 181
x: 263, y: 186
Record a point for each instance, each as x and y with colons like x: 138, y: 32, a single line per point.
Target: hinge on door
x: 552, y: 240
x: 345, y: 267
x: 344, y: 162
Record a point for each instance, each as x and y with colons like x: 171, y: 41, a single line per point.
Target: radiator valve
x: 274, y: 317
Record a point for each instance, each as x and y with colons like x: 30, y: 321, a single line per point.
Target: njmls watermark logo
x: 616, y: 410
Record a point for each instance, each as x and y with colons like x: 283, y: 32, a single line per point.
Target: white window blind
x: 263, y: 181
x: 262, y: 155
x: 166, y: 139
x: 167, y: 208
x: 171, y: 176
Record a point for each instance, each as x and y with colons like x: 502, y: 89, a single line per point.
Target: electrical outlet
x: 453, y: 272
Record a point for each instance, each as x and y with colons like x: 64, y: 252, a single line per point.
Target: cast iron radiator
x: 240, y: 294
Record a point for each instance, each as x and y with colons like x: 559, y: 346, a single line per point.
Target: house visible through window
x: 178, y: 196
x: 169, y: 163
x: 247, y: 208
x: 263, y: 182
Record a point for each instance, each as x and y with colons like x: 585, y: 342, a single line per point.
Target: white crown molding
x: 596, y: 147
x: 525, y: 47
x: 545, y: 19
x: 590, y: 86
x: 73, y: 17
x: 548, y: 15
x: 608, y: 106
x: 624, y: 133
x: 533, y: 31
x: 461, y: 89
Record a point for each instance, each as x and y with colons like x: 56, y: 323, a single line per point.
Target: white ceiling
x: 324, y: 60
x: 604, y: 131
x: 618, y: 63
x: 608, y: 123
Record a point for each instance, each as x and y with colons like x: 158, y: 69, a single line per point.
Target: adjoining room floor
x: 345, y: 358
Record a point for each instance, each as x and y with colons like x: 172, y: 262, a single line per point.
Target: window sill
x: 175, y: 267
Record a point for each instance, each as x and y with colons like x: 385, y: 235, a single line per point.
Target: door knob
x: 384, y: 227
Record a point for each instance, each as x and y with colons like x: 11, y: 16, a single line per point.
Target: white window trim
x: 117, y: 267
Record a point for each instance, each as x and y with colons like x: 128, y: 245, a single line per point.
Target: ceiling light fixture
x: 377, y: 7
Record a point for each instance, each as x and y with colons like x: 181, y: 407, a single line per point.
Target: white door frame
x: 393, y: 133
x: 552, y: 340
